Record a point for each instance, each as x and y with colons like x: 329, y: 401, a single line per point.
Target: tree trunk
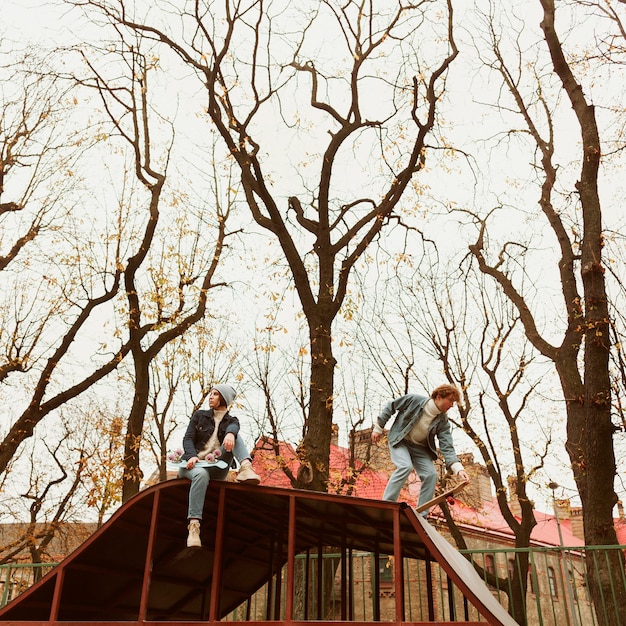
x: 598, y: 470
x: 134, y: 430
x: 595, y: 475
x: 519, y: 587
x: 314, y: 449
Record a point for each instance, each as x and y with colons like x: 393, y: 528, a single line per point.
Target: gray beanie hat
x: 227, y: 392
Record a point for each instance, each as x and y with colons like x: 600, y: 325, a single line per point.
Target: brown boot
x: 193, y: 538
x: 247, y: 474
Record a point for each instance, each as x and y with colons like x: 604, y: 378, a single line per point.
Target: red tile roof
x: 490, y: 519
x: 368, y: 483
x: 362, y: 481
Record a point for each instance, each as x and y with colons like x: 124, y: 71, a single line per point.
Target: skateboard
x: 217, y: 469
x: 448, y: 495
x: 217, y: 464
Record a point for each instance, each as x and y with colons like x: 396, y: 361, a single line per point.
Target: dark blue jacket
x: 201, y: 427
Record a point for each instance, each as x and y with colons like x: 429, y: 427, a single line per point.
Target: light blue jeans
x: 200, y: 477
x: 406, y: 457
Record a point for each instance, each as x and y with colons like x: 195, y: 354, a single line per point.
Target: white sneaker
x: 193, y: 538
x: 247, y: 474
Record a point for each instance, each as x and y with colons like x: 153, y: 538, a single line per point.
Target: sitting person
x: 208, y: 431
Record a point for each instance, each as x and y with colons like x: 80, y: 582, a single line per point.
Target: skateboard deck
x: 444, y: 495
x: 217, y: 469
x: 217, y: 464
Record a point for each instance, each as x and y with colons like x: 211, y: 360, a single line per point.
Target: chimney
x: 513, y: 501
x: 563, y: 509
x: 576, y: 519
x: 478, y: 491
x: 366, y: 451
x: 334, y: 435
x: 620, y: 510
x: 467, y: 458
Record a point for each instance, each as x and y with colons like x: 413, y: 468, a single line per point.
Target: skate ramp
x: 136, y: 569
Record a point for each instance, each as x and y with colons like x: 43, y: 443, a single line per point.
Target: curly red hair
x: 446, y: 391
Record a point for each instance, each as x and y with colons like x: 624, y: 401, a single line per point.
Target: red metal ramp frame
x: 137, y: 570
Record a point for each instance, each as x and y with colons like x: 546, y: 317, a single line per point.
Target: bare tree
x: 78, y: 269
x: 250, y: 65
x: 51, y: 287
x: 102, y: 459
x: 175, y: 303
x: 606, y: 54
x: 53, y: 497
x: 278, y: 374
x: 33, y: 149
x: 508, y: 386
x: 581, y: 358
x: 441, y: 324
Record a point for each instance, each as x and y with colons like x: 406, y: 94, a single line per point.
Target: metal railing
x: 557, y: 594
x: 16, y: 578
x: 558, y: 582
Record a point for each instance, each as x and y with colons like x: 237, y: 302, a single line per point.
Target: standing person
x: 206, y: 432
x: 419, y: 419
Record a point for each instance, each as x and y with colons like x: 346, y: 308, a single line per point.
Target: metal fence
x: 18, y: 577
x: 557, y: 593
x: 558, y: 582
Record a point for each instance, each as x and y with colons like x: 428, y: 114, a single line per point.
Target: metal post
x: 570, y: 610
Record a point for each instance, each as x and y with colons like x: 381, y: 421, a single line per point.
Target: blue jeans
x: 406, y: 457
x: 200, y: 477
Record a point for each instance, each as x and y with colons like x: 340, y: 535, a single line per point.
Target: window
x: 511, y: 568
x: 386, y: 588
x: 572, y: 585
x: 552, y: 583
x: 531, y: 579
x: 490, y: 564
x: 385, y: 569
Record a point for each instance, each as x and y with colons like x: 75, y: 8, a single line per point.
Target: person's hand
x: 229, y: 442
x: 192, y: 462
x: 376, y: 437
x: 463, y: 476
